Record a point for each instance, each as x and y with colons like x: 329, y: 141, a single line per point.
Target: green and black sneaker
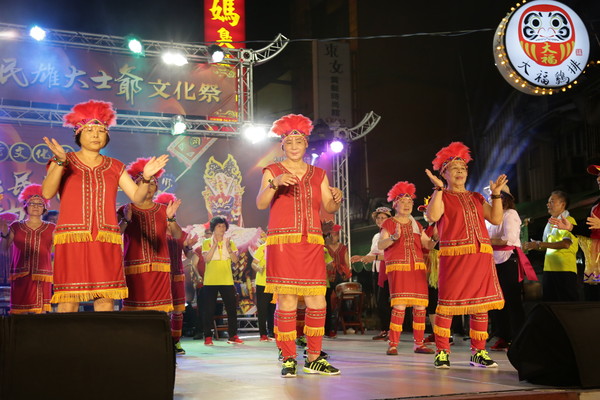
x: 442, y: 360
x: 288, y: 368
x: 481, y: 359
x: 320, y: 366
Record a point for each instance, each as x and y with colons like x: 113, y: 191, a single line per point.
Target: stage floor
x: 251, y: 370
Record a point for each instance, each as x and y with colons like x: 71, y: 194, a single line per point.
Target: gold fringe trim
x: 47, y: 307
x: 178, y: 278
x: 395, y: 327
x: 176, y: 333
x: 297, y: 290
x: 409, y: 302
x: 418, y: 326
x: 42, y: 278
x: 434, y: 267
x: 72, y: 297
x: 311, y: 331
x: 486, y: 248
x: 473, y: 309
x: 27, y: 311
x: 275, y: 330
x: 397, y: 267
x: 294, y: 238
x: 283, y: 336
x: 443, y: 332
x: 179, y: 307
x: 109, y: 237
x: 72, y: 237
x: 147, y: 267
x: 458, y: 250
x: 165, y: 308
x: 478, y: 335
x: 12, y: 277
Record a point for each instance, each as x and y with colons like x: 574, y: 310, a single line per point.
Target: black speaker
x: 89, y: 355
x: 558, y: 345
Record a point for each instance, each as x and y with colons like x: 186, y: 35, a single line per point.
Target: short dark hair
x: 563, y: 196
x: 216, y: 221
x: 51, y: 213
x: 508, y: 201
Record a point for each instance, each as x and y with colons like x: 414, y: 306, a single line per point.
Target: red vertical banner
x: 225, y: 23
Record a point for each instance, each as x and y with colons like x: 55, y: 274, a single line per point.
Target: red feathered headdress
x: 292, y: 124
x: 165, y: 198
x: 454, y: 151
x: 93, y: 112
x: 402, y: 189
x: 135, y: 169
x: 33, y: 190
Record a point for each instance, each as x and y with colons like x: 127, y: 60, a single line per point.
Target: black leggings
x: 230, y: 302
x: 266, y: 310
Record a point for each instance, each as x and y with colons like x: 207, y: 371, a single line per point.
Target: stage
x: 251, y: 370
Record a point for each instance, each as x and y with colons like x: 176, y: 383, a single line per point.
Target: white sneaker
x: 350, y: 330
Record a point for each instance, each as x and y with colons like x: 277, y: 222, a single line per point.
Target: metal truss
x: 243, y: 59
x: 340, y: 170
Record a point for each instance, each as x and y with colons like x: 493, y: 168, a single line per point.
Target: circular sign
x: 541, y: 47
x: 20, y: 152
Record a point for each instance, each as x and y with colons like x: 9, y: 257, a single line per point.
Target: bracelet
x: 60, y: 163
x: 172, y: 219
x: 272, y: 185
x: 438, y: 188
x: 146, y: 180
x: 496, y: 196
x: 3, y: 235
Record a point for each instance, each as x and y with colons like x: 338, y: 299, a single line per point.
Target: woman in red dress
x: 31, y: 267
x: 295, y: 192
x: 467, y: 283
x: 403, y: 239
x: 147, y: 261
x: 88, y: 259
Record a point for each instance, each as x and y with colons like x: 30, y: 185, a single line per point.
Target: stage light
x: 179, y: 125
x: 134, y: 44
x: 216, y: 53
x: 174, y: 58
x: 254, y: 133
x: 37, y: 33
x: 9, y: 34
x: 336, y: 146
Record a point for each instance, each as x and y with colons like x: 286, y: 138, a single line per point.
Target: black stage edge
x: 558, y: 345
x: 88, y: 355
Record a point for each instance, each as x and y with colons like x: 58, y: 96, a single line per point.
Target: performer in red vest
x: 88, y: 259
x: 403, y: 240
x: 295, y: 192
x: 31, y: 267
x: 147, y: 262
x: 468, y: 283
x: 177, y: 248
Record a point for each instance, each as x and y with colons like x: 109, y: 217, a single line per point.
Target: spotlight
x: 174, y: 58
x: 216, y: 53
x: 179, y: 125
x: 134, y: 44
x: 254, y: 133
x: 37, y: 33
x: 336, y: 146
x: 8, y: 34
x: 313, y: 158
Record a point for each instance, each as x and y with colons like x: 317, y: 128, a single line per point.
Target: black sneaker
x: 442, y: 360
x: 288, y: 368
x: 322, y: 355
x: 320, y: 366
x: 301, y: 341
x: 481, y: 359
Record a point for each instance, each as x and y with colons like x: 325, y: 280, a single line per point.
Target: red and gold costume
x: 295, y: 241
x: 177, y: 272
x: 31, y: 268
x: 88, y: 255
x: 467, y: 277
x: 405, y: 266
x: 147, y: 261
